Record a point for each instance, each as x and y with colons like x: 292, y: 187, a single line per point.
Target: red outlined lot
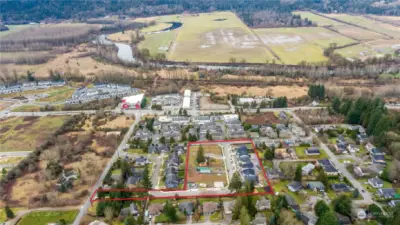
x: 182, y: 193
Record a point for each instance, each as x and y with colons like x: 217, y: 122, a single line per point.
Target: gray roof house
x: 209, y: 207
x: 393, y: 203
x: 375, y: 182
x: 295, y: 186
x: 308, y: 219
x: 228, y: 207
x: 386, y: 193
x: 259, y: 219
x: 186, y: 207
x: 131, y: 210
x: 340, y: 187
x: 263, y: 204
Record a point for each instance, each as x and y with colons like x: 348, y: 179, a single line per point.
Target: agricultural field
x: 371, y: 48
x: 395, y: 20
x: 374, y: 25
x: 215, y: 163
x: 158, y: 42
x: 49, y: 217
x: 217, y: 37
x: 27, y: 133
x: 15, y: 28
x: 358, y: 33
x: 293, y: 45
x: 274, y: 91
x: 319, y: 20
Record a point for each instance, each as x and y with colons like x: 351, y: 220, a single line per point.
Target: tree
x: 244, y: 216
x: 109, y: 213
x: 162, y: 140
x: 170, y: 212
x: 298, y: 174
x: 129, y: 220
x: 146, y: 181
x: 269, y: 154
x: 143, y: 103
x: 328, y: 218
x: 336, y: 104
x: 342, y: 205
x: 200, y: 158
x: 353, y: 117
x: 322, y: 177
x: 101, y: 206
x: 29, y: 76
x: 62, y: 222
x: 236, y: 182
x: 320, y: 208
x: 395, y: 218
x: 9, y: 212
x: 375, y: 211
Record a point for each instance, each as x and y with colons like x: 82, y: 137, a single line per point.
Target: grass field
x: 357, y: 32
x: 3, y: 217
x: 56, y: 94
x: 217, y: 37
x: 368, y: 49
x: 44, y: 218
x: 26, y: 108
x: 15, y: 28
x: 294, y: 45
x: 374, y: 25
x: 158, y: 42
x: 26, y: 133
x: 301, y: 154
x: 216, y: 165
x: 319, y: 20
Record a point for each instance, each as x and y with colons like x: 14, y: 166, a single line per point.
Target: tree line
x: 316, y: 91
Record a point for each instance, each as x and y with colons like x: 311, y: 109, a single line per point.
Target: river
x: 124, y: 50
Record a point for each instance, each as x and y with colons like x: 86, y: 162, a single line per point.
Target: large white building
x: 186, y: 99
x: 132, y: 101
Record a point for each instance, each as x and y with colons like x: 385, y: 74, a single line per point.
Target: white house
x: 375, y: 182
x: 307, y: 169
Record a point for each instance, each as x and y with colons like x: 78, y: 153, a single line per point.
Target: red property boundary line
x: 174, y: 196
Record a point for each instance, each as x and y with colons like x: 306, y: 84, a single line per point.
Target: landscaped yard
x: 216, y: 165
x: 27, y: 133
x: 47, y: 217
x: 301, y: 154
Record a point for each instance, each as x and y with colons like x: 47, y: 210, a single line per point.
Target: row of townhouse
x: 30, y: 86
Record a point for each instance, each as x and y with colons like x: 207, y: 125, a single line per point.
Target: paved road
x: 15, y: 154
x: 99, y: 182
x: 367, y: 197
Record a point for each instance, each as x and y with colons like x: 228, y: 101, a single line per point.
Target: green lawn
x: 46, y: 217
x: 158, y: 42
x: 135, y: 151
x: 281, y: 187
x: 216, y: 216
x: 116, y: 172
x: 58, y: 94
x: 27, y: 108
x: 161, y: 218
x: 301, y: 154
x: 3, y: 213
x: 319, y: 20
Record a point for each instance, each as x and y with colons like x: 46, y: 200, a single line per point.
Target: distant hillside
x: 18, y: 11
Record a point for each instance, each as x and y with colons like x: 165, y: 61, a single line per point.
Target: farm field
x: 15, y: 28
x: 293, y: 45
x: 158, y: 42
x: 371, y: 48
x: 374, y: 25
x: 358, y: 33
x: 49, y: 217
x: 319, y: 20
x: 216, y: 165
x: 395, y: 20
x: 27, y: 133
x: 274, y: 91
x: 217, y: 37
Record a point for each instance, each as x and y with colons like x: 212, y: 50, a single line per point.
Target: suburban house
x: 360, y: 172
x: 341, y: 140
x: 155, y: 209
x: 136, y: 177
x: 263, y: 204
x: 228, y: 207
x: 209, y: 208
x: 369, y: 146
x: 340, y: 147
x: 340, y: 187
x: 343, y: 220
x: 315, y: 185
x: 378, y: 159
x: 295, y: 186
x: 268, y: 131
x: 274, y: 173
x: 292, y: 202
x: 186, y: 207
x: 312, y: 151
x: 393, y: 203
x: 131, y: 210
x: 386, y: 193
x: 307, y: 169
x: 353, y: 148
x: 171, y: 174
x: 308, y: 219
x: 142, y: 161
x: 375, y: 182
x: 328, y: 167
x: 362, y: 138
x: 259, y: 219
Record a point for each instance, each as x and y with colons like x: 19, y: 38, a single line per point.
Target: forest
x: 24, y: 11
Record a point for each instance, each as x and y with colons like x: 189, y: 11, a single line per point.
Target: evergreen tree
x: 336, y: 105
x: 268, y: 154
x: 354, y: 116
x: 320, y: 208
x: 343, y: 205
x: 200, y: 158
x: 298, y: 174
x: 328, y: 218
x: 9, y: 212
x: 236, y: 182
x: 146, y: 181
x: 129, y: 220
x: 244, y: 216
x: 170, y: 212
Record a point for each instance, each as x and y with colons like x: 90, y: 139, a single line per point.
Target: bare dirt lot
x: 206, y: 104
x: 4, y: 105
x: 215, y: 164
x: 274, y: 91
x: 265, y: 118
